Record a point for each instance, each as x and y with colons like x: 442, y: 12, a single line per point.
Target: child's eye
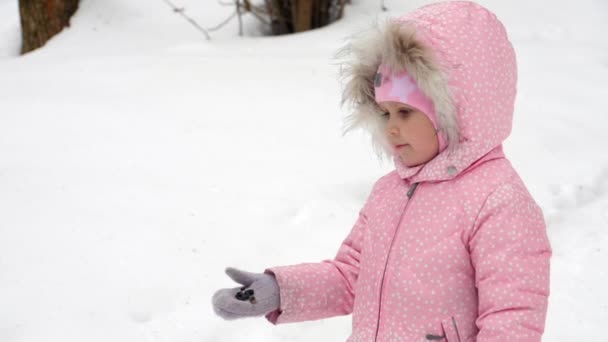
x: 404, y: 111
x: 385, y: 115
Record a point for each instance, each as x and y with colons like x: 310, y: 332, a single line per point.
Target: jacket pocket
x: 451, y: 330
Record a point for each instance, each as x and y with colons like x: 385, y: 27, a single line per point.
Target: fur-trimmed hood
x: 461, y: 58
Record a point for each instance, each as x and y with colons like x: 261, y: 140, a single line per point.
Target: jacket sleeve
x: 312, y: 291
x: 511, y: 254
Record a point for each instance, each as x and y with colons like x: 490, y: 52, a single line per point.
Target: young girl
x: 450, y: 246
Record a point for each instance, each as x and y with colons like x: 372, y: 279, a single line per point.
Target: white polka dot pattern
x: 465, y: 258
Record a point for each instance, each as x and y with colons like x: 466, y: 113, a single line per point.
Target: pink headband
x: 400, y: 87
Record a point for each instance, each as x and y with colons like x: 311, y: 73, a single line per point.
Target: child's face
x: 410, y: 133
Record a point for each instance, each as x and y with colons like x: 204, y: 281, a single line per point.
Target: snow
x: 138, y: 160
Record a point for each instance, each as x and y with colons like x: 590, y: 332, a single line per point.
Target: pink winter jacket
x: 455, y: 250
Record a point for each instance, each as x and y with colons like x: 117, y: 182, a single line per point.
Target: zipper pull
x: 410, y: 193
x: 431, y: 337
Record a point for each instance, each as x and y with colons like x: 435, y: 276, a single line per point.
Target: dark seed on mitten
x: 252, y: 300
x: 242, y: 296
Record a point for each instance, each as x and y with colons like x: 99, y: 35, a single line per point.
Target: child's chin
x: 413, y: 162
x: 408, y: 162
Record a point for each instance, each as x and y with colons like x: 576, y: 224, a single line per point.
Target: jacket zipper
x: 456, y: 328
x: 410, y: 193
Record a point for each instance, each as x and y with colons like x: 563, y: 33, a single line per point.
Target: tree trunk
x: 289, y: 16
x: 279, y: 16
x: 302, y: 15
x: 323, y: 13
x: 42, y: 19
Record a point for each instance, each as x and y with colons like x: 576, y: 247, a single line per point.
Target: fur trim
x: 394, y: 43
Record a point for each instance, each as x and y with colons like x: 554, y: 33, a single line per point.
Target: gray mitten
x: 258, y: 296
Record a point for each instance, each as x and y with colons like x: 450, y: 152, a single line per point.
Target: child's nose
x: 392, y: 129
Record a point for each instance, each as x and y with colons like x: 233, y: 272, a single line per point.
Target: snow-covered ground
x: 137, y: 160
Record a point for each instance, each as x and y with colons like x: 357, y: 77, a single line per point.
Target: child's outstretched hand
x: 258, y: 296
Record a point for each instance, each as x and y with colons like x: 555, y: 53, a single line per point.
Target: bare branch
x: 258, y: 14
x: 192, y: 21
x: 220, y: 25
x: 238, y: 11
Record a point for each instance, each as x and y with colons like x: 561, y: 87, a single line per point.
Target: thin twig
x: 217, y: 27
x: 238, y: 11
x: 194, y: 23
x: 256, y: 12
